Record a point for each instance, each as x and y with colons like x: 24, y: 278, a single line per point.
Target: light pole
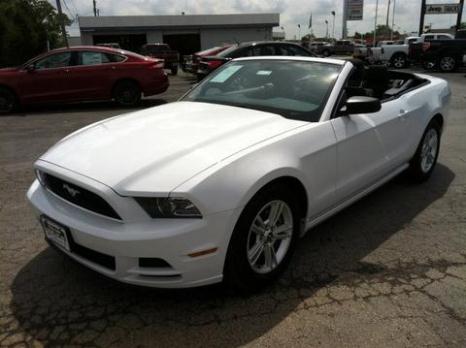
x: 375, y: 22
x: 333, y: 25
x: 326, y: 29
x: 299, y: 32
x: 393, y: 21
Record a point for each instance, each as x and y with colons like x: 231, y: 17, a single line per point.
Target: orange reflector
x: 203, y: 252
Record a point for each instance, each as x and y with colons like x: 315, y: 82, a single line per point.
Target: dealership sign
x: 354, y: 9
x: 442, y: 8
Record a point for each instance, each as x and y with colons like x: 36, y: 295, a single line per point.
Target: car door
x: 46, y: 79
x: 92, y: 77
x: 369, y: 146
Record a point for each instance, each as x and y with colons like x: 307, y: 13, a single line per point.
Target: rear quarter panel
x: 422, y: 104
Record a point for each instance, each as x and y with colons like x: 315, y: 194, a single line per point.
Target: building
x: 278, y: 35
x: 184, y: 33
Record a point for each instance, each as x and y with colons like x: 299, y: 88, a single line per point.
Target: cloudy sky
x: 292, y: 12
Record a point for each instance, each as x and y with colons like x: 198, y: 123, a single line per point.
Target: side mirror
x: 30, y: 68
x: 362, y: 105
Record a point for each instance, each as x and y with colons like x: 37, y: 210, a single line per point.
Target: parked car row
x: 209, y: 63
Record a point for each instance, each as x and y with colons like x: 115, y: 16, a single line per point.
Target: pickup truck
x: 446, y: 55
x: 398, y: 56
x: 170, y: 57
x: 339, y: 48
x: 415, y: 48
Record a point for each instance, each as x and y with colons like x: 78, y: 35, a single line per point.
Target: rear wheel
x: 127, y: 93
x: 174, y: 70
x: 448, y: 63
x: 326, y: 53
x: 422, y: 164
x: 263, y: 240
x: 399, y: 61
x: 8, y: 101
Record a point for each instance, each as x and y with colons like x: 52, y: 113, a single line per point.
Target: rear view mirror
x: 362, y: 105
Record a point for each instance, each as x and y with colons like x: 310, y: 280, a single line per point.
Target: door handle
x: 402, y: 114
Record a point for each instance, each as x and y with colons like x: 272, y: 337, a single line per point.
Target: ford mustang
x: 220, y: 185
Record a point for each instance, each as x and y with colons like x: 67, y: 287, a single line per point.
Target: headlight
x: 169, y: 207
x: 40, y: 177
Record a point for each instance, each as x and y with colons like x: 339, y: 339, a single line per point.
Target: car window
x: 444, y: 37
x: 92, y: 58
x: 297, y: 51
x: 293, y: 89
x: 280, y: 50
x: 266, y: 50
x: 58, y: 60
x: 428, y: 37
x: 115, y: 58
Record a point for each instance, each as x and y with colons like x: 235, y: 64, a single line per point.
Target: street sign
x: 442, y: 9
x: 354, y: 9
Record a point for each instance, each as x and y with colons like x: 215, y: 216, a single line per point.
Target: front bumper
x: 171, y: 240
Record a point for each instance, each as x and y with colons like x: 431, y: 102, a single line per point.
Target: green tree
x: 25, y: 26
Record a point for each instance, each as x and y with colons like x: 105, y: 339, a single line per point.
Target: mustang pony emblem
x: 71, y: 191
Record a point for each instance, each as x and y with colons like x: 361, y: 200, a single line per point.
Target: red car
x: 82, y: 73
x: 196, y: 58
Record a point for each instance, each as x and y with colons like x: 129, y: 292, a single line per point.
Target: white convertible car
x: 221, y: 184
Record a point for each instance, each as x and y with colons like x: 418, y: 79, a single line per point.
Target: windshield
x: 293, y: 89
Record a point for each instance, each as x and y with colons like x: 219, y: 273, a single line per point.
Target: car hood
x: 154, y: 150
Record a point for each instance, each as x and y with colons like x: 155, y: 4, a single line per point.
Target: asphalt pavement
x: 389, y: 271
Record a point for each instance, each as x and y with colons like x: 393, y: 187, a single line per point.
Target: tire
x: 326, y: 53
x: 423, y: 163
x: 127, y: 93
x: 428, y: 65
x: 174, y: 70
x: 399, y: 61
x: 8, y: 101
x: 447, y: 63
x: 248, y: 268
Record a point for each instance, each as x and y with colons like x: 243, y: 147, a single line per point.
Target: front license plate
x: 55, y: 232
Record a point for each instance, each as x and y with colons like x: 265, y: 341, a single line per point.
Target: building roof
x: 179, y: 21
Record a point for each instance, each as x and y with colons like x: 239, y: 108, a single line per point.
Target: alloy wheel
x: 399, y: 62
x: 429, y: 150
x: 270, y: 236
x: 447, y: 63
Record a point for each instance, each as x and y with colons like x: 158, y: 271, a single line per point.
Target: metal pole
x: 393, y: 20
x: 460, y: 12
x: 375, y: 22
x: 326, y: 29
x: 388, y: 12
x: 95, y: 8
x: 333, y: 26
x: 344, y: 31
x: 62, y: 23
x: 421, y: 22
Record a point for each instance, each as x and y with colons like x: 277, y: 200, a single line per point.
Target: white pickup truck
x: 397, y: 55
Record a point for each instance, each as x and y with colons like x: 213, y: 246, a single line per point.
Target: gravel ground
x: 389, y: 271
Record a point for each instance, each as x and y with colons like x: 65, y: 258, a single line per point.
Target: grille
x: 78, y: 196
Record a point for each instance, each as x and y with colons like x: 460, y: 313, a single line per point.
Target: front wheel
x: 263, y: 240
x: 127, y: 93
x: 326, y: 53
x: 423, y: 163
x: 8, y: 101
